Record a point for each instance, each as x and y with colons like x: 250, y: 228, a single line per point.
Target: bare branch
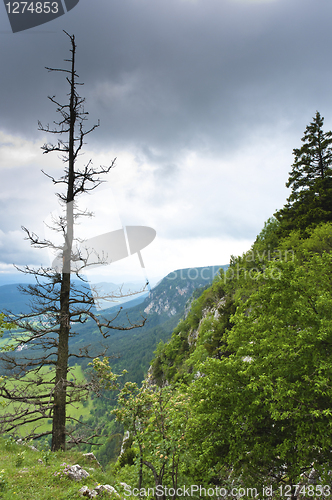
x: 58, y: 304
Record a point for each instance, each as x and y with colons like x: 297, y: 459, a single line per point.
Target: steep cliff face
x: 199, y: 335
x: 212, y: 311
x: 172, y: 299
x: 173, y: 292
x: 171, y: 358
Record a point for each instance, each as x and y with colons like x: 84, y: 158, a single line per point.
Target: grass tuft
x: 26, y: 474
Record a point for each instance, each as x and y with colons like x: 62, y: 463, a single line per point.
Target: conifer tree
x: 313, y: 160
x: 310, y: 180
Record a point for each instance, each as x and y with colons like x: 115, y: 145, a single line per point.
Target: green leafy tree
x: 4, y: 325
x: 156, y: 417
x: 265, y: 411
x: 133, y: 411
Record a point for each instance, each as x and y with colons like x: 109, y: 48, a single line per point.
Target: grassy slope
x: 32, y: 480
x: 74, y: 411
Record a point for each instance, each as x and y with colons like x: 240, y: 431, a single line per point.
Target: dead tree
x: 58, y: 302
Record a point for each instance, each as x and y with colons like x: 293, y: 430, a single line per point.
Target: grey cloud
x: 174, y: 74
x: 166, y: 171
x: 166, y: 77
x: 14, y: 250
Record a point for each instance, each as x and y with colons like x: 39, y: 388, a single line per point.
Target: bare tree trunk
x: 55, y: 295
x: 60, y: 391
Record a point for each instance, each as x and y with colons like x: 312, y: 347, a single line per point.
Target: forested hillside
x: 241, y: 394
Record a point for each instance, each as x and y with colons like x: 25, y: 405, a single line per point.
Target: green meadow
x: 28, y: 474
x: 75, y: 410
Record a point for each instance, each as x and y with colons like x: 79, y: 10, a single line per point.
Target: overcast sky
x: 202, y: 103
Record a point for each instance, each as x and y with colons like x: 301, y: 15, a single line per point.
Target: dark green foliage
x: 169, y: 363
x: 128, y: 455
x: 313, y: 160
x: 311, y: 208
x: 169, y: 357
x: 127, y: 458
x: 310, y: 179
x: 267, y: 240
x: 269, y: 404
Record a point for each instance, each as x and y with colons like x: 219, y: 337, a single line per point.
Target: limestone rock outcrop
x: 76, y: 473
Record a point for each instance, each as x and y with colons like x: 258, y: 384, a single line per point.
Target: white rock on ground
x: 99, y: 490
x: 85, y: 492
x: 106, y: 488
x: 76, y: 472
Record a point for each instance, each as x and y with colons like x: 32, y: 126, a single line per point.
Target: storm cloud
x: 201, y: 101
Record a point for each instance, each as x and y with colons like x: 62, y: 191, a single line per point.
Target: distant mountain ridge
x: 14, y: 300
x: 164, y: 306
x: 172, y: 293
